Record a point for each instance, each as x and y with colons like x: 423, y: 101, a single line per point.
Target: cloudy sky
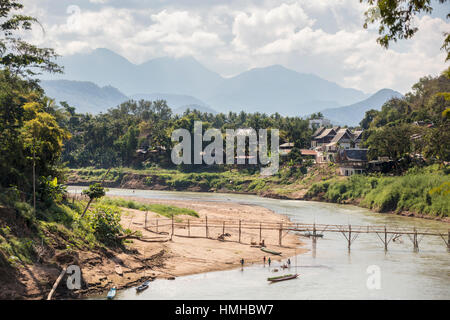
x: 323, y: 37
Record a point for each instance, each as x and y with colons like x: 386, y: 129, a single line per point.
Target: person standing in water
x: 264, y: 260
x: 269, y: 261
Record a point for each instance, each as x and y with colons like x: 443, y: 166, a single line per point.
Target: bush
x: 104, y: 221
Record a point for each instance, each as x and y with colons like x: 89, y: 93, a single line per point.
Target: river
x: 330, y: 271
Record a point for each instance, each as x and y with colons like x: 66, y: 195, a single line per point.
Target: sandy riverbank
x: 182, y: 255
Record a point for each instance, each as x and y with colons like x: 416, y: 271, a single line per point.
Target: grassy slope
x: 164, y: 210
x: 424, y: 191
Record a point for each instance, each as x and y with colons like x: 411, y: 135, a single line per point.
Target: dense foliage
x: 112, y: 139
x: 417, y: 126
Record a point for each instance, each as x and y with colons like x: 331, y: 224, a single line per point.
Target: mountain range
x: 96, y: 81
x: 269, y: 89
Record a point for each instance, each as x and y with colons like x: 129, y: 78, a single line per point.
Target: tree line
x: 415, y: 127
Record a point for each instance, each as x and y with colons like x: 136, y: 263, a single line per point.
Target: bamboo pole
x: 223, y: 229
x: 189, y: 227
x: 206, y: 226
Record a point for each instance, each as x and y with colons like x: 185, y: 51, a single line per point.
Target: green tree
x: 391, y: 141
x: 395, y: 18
x: 23, y: 107
x: 95, y: 191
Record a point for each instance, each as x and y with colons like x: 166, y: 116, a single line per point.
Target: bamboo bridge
x: 184, y: 227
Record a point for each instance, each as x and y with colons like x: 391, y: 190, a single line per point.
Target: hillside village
x: 334, y: 145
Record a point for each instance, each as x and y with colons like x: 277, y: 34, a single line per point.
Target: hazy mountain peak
x: 353, y: 114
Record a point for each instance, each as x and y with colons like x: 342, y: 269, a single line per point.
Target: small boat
x: 143, y: 286
x: 283, y: 278
x: 270, y: 251
x: 111, y: 293
x: 309, y: 234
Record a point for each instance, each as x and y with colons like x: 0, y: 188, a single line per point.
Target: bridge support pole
x: 189, y: 227
x: 314, y: 246
x: 145, y: 223
x: 415, y: 241
x: 260, y: 232
x: 448, y: 241
x: 239, y: 231
x: 385, y: 239
x: 349, y: 237
x: 173, y: 228
x: 279, y: 234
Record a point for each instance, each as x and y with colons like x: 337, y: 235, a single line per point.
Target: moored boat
x: 309, y: 234
x: 283, y: 278
x: 143, y: 286
x: 270, y: 251
x: 111, y: 293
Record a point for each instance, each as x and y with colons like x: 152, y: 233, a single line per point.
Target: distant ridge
x: 353, y: 114
x: 86, y: 97
x: 268, y: 90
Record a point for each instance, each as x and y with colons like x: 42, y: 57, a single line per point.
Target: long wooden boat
x: 309, y: 234
x: 283, y: 278
x: 111, y: 293
x: 270, y: 251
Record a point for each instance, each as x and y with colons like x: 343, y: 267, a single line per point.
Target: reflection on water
x: 329, y: 271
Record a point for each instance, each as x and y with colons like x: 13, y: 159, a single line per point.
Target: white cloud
x: 261, y: 26
x: 324, y: 37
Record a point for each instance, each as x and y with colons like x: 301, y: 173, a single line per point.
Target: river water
x: 329, y: 271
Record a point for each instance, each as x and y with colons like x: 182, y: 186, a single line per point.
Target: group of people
x: 269, y: 261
